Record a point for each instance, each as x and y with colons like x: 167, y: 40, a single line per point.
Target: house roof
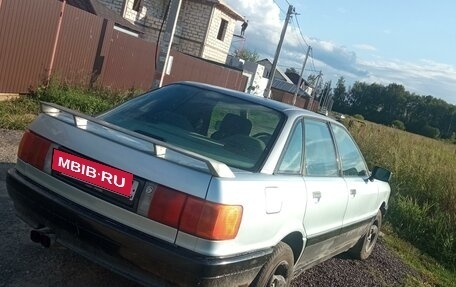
x: 295, y: 78
x: 288, y: 87
x: 221, y: 4
x: 95, y: 7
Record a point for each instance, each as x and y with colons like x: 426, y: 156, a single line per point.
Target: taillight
x: 33, y: 149
x: 166, y: 206
x: 193, y: 215
x: 210, y: 220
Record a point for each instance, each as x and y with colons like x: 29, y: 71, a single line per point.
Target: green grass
x: 423, y: 202
x: 431, y: 273
x: 18, y: 113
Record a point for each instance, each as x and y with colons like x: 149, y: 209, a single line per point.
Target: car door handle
x: 353, y: 192
x: 316, y: 196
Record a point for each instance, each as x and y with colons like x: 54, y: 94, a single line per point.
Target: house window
x: 222, y: 30
x: 137, y: 5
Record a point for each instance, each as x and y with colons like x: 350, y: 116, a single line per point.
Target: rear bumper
x: 124, y: 250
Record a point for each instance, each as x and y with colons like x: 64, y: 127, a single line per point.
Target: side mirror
x: 380, y: 173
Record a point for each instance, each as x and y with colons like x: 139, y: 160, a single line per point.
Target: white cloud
x: 265, y: 24
x: 423, y: 78
x: 365, y: 47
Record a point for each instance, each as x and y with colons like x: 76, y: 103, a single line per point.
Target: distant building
x: 305, y: 86
x: 96, y: 8
x: 279, y: 75
x: 204, y: 29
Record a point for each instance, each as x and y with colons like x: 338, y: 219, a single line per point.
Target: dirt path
x: 24, y: 263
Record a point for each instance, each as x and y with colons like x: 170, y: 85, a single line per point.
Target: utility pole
x: 317, y: 82
x: 165, y: 44
x: 326, y: 95
x: 267, y: 91
x: 298, y: 86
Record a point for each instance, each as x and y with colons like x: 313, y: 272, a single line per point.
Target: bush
x: 358, y: 117
x: 430, y: 132
x: 397, y: 124
x: 88, y: 101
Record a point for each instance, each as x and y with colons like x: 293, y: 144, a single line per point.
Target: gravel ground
x: 24, y: 263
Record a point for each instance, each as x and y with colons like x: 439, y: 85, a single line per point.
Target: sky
x: 412, y: 42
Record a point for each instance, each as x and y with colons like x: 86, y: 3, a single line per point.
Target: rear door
x: 327, y: 194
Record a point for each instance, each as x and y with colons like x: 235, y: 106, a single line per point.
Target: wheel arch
x: 296, y: 243
x: 383, y: 209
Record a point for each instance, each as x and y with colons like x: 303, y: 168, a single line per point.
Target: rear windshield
x: 233, y: 131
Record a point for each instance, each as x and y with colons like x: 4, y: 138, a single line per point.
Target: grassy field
x: 423, y: 203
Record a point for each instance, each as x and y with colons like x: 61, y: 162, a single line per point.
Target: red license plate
x: 112, y: 179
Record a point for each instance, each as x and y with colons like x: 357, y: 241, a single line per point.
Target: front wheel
x: 278, y: 270
x: 363, y: 249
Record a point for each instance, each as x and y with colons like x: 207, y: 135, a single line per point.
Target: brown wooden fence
x: 88, y: 51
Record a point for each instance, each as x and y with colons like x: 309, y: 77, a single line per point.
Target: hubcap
x: 280, y: 275
x: 278, y: 281
x: 372, y: 237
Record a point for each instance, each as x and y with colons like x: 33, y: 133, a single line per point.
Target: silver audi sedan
x: 195, y: 185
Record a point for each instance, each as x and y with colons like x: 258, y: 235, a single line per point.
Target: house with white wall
x: 204, y: 29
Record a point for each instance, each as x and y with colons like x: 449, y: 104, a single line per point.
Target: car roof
x: 270, y: 103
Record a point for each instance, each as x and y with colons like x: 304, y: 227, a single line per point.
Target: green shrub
x: 89, y: 101
x: 430, y: 132
x: 358, y: 117
x: 397, y: 124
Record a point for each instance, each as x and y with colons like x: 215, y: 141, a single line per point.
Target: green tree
x: 341, y: 103
x: 291, y: 70
x: 247, y: 55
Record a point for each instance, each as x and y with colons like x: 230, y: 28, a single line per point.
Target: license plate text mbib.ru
x: 112, y: 179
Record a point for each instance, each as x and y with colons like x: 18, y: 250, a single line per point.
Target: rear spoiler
x: 135, y: 140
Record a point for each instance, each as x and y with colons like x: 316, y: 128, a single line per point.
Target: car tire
x: 363, y: 249
x: 278, y: 270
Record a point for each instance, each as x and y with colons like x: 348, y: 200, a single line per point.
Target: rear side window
x: 320, y: 154
x: 351, y: 159
x: 222, y: 127
x: 291, y: 162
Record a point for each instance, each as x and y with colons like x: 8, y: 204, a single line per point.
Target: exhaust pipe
x: 45, y: 236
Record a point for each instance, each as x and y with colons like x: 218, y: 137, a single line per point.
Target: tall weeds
x: 423, y: 200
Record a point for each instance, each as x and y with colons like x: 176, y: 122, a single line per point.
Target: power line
x: 300, y: 31
x: 312, y: 60
x: 299, y: 39
x: 277, y: 4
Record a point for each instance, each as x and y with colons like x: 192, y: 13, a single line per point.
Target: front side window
x: 351, y: 159
x: 320, y: 154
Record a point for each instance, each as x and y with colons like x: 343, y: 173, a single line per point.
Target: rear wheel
x: 363, y: 249
x: 278, y: 269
